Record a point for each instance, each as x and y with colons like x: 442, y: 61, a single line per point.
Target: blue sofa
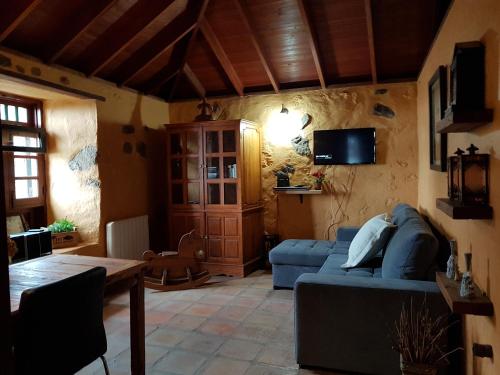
x: 343, y: 317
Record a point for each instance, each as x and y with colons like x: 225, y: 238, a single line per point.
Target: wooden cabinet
x: 214, y: 179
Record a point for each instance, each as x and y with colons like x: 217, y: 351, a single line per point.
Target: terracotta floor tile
x: 237, y: 313
x: 240, y: 349
x: 218, y: 327
x: 197, y: 342
x: 261, y: 369
x: 199, y: 309
x: 278, y: 357
x: 264, y: 319
x: 173, y: 306
x: 180, y: 362
x: 190, y: 295
x: 223, y: 366
x: 251, y: 302
x: 277, y: 306
x: 216, y: 299
x: 186, y: 322
x: 254, y: 333
x: 168, y: 337
x: 157, y: 318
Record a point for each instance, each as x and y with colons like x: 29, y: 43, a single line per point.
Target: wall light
x: 282, y: 126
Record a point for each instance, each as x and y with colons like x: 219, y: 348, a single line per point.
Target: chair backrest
x: 60, y: 325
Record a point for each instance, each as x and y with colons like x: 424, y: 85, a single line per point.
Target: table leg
x: 137, y: 330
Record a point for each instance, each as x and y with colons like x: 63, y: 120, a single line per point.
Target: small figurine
x: 467, y: 286
x: 451, y: 265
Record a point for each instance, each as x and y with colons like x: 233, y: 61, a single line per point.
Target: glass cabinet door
x: 185, y: 167
x: 221, y: 166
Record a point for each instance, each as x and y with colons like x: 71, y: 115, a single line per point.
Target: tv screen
x: 344, y: 146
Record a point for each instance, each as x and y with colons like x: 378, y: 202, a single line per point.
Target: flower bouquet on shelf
x: 64, y: 233
x: 319, y: 177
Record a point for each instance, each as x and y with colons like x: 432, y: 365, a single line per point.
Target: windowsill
x: 88, y: 248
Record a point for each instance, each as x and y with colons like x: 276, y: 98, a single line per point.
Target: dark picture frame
x: 438, y: 143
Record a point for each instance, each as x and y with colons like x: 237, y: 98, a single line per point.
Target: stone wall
x: 352, y: 194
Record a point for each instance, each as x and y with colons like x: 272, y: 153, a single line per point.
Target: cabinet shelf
x: 450, y: 289
x: 462, y: 120
x: 460, y: 211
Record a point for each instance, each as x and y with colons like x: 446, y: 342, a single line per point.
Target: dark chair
x: 60, y: 327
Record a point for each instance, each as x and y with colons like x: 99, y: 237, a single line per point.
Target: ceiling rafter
x: 178, y: 58
x: 371, y: 41
x: 313, y: 43
x: 75, y: 27
x: 120, y: 34
x: 161, y: 42
x: 245, y: 15
x: 221, y: 56
x: 195, y: 82
x: 13, y: 13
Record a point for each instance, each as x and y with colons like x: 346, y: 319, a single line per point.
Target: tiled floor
x: 232, y: 326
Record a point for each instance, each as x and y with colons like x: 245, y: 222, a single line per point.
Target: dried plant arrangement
x: 420, y: 339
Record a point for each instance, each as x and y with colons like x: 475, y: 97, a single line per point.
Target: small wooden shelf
x: 300, y: 193
x: 460, y: 211
x: 459, y: 120
x: 477, y: 305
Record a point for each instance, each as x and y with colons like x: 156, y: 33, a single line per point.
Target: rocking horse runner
x: 179, y: 270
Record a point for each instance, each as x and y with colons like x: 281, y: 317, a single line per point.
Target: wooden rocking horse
x: 179, y: 270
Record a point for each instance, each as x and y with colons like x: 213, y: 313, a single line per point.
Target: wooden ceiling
x: 180, y: 49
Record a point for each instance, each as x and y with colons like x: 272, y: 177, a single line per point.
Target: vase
x: 408, y: 368
x: 451, y: 265
x: 317, y: 186
x: 467, y: 286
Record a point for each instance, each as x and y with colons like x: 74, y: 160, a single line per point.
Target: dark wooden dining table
x: 120, y: 273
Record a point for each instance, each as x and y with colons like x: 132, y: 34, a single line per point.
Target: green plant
x: 61, y: 225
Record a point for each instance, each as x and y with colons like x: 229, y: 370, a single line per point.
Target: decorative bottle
x: 467, y: 287
x: 451, y: 265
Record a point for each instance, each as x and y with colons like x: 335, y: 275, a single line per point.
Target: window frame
x: 34, y: 124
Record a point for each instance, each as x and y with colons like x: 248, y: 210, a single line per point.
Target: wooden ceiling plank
x: 75, y: 27
x: 13, y: 13
x: 371, y: 41
x: 245, y: 15
x: 313, y: 43
x: 195, y: 82
x: 120, y: 35
x: 221, y: 56
x: 161, y: 42
x: 188, y: 48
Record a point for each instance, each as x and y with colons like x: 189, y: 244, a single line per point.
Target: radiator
x: 127, y: 239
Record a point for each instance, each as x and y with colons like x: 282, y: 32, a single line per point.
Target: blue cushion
x: 411, y: 251
x: 334, y: 261
x: 402, y: 212
x: 302, y: 252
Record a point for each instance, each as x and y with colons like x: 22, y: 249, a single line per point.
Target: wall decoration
x: 383, y: 111
x: 206, y: 111
x: 437, y: 104
x: 84, y: 159
x: 301, y: 146
x: 306, y: 120
x: 140, y: 147
x: 128, y: 129
x: 127, y: 148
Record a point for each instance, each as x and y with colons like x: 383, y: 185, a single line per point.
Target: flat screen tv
x: 344, y: 146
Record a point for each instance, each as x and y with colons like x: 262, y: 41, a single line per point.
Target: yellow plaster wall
x: 469, y: 20
x: 127, y: 180
x: 360, y: 191
x: 72, y: 125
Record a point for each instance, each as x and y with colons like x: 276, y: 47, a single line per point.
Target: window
x: 23, y: 142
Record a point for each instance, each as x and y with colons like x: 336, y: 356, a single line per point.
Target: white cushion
x: 370, y: 239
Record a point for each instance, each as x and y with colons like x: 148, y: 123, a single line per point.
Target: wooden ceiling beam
x: 156, y: 46
x: 12, y: 13
x: 371, y: 40
x: 195, y: 82
x: 245, y: 16
x: 221, y: 56
x: 75, y: 27
x: 177, y: 58
x: 313, y: 43
x: 120, y: 35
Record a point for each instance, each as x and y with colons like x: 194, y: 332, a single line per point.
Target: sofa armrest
x: 345, y: 322
x: 346, y: 233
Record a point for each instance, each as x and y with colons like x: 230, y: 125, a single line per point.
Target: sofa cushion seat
x: 302, y: 252
x: 332, y: 266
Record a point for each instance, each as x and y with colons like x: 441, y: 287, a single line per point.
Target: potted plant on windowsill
x: 419, y: 338
x: 64, y: 233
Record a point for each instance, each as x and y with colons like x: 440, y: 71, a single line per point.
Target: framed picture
x: 16, y: 224
x: 437, y: 105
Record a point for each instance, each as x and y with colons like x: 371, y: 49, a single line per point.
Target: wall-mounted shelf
x: 477, y: 305
x: 459, y: 211
x: 300, y: 193
x: 463, y: 120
